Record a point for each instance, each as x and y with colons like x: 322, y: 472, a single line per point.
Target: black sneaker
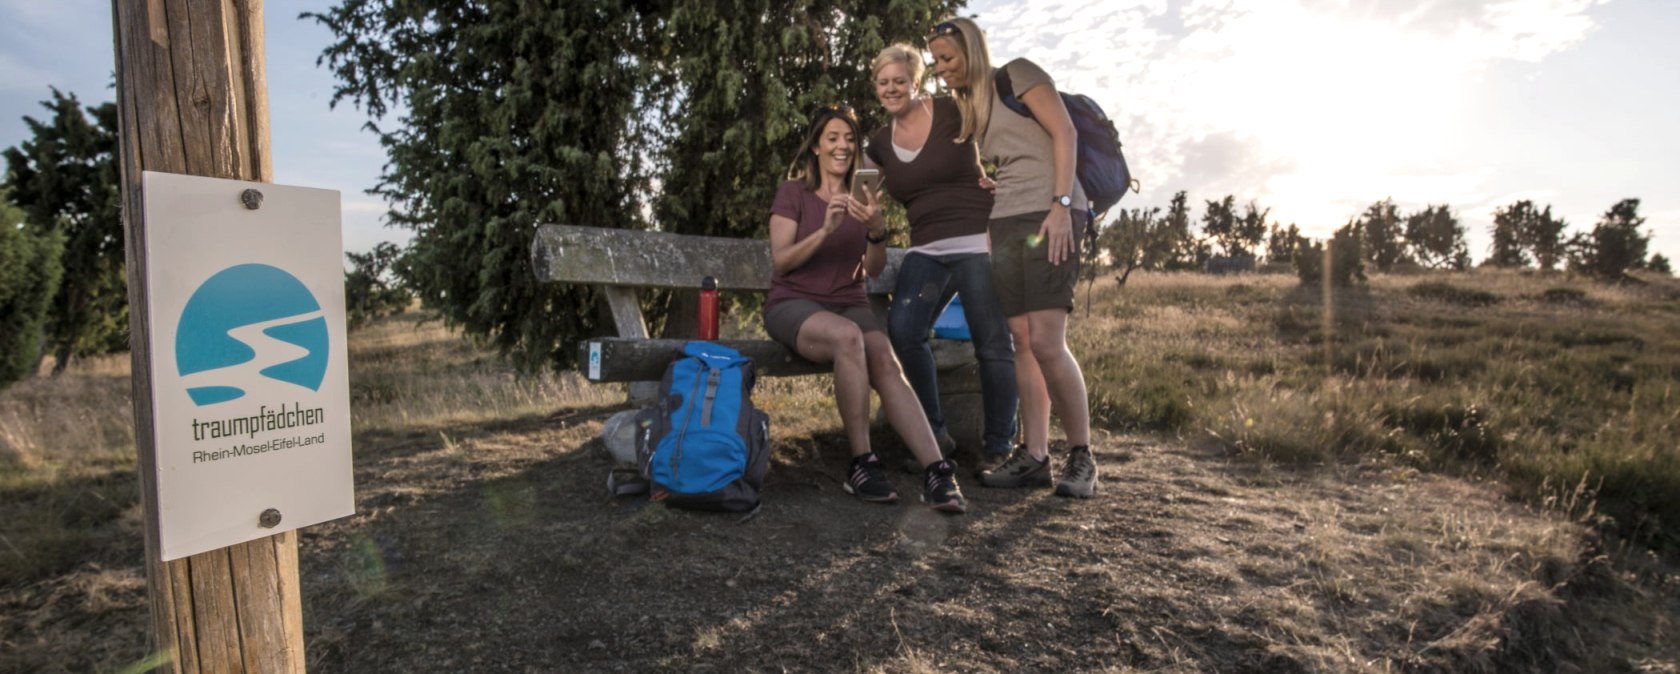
x: 1079, y: 474
x: 947, y: 449
x: 1020, y: 470
x: 940, y: 490
x: 869, y: 482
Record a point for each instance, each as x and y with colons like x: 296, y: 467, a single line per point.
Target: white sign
x: 250, y: 383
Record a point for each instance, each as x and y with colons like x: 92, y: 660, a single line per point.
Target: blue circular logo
x: 247, y: 326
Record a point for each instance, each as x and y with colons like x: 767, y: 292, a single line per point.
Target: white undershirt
x: 956, y: 245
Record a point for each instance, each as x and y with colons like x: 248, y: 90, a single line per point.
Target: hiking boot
x: 1020, y: 470
x: 1079, y: 474
x: 939, y: 488
x: 990, y: 461
x: 868, y: 482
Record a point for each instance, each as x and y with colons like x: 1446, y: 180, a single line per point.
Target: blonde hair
x: 975, y: 100
x: 904, y: 55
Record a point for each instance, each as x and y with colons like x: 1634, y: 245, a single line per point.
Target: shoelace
x: 1075, y: 467
x: 939, y: 483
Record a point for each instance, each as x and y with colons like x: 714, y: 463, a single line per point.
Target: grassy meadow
x: 1543, y: 382
x: 1556, y: 390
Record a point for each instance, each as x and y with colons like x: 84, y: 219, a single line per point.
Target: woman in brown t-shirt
x: 938, y: 181
x: 822, y: 243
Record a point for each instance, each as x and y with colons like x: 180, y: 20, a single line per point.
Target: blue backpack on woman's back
x: 1101, y: 167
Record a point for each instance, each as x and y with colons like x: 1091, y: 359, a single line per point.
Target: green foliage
x: 1284, y: 244
x: 591, y: 114
x: 1506, y: 249
x: 65, y: 179
x: 1659, y: 264
x: 1138, y: 239
x: 1523, y: 232
x: 1615, y: 246
x: 1346, y: 258
x: 1219, y: 223
x: 29, y: 273
x: 1436, y: 238
x: 1188, y: 251
x: 372, y: 289
x: 1382, y: 232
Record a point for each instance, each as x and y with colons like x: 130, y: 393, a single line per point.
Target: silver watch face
x: 1065, y: 200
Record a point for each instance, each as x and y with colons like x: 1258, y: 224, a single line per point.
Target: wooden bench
x: 620, y: 262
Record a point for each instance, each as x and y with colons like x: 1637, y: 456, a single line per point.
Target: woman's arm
x: 1047, y: 108
x: 786, y: 254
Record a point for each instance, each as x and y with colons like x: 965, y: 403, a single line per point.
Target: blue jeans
x: 925, y: 285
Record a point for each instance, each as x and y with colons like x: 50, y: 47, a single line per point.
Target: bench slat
x: 625, y: 257
x: 614, y: 359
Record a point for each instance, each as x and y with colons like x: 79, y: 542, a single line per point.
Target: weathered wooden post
x: 192, y: 99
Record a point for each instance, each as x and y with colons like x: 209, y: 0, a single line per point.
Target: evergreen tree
x: 1542, y: 236
x: 1507, y: 231
x: 591, y: 113
x: 371, y: 287
x: 65, y: 180
x: 1178, y: 238
x: 1219, y: 223
x: 1381, y: 232
x: 1250, y: 230
x: 29, y: 273
x: 1283, y: 244
x: 1346, y: 257
x: 1659, y: 264
x: 1436, y: 238
x: 1616, y: 245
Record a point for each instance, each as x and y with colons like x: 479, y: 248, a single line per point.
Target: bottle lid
x: 708, y: 283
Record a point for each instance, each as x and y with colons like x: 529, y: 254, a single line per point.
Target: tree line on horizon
x: 1381, y: 238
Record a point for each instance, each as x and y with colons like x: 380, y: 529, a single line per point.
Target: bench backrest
x: 642, y: 259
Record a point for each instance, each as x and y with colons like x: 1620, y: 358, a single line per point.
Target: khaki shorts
x: 784, y: 320
x: 1021, y: 271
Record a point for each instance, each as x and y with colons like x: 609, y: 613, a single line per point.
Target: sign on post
x: 250, y: 380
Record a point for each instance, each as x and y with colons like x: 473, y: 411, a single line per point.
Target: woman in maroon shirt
x: 822, y: 243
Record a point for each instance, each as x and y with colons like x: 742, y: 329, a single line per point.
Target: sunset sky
x: 1313, y: 108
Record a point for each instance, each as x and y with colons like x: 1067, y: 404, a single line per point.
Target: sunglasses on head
x: 835, y: 110
x: 944, y: 28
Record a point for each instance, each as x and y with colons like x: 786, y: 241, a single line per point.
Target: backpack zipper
x: 676, y: 453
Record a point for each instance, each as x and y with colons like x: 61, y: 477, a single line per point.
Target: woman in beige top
x: 1037, y: 215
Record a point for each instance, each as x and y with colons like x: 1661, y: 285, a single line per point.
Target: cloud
x: 1314, y: 107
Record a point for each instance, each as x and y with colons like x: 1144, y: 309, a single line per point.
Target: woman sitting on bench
x: 822, y: 243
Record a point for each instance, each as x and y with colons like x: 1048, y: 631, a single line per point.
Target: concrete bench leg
x: 960, y: 401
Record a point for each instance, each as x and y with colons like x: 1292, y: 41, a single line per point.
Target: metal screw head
x: 269, y: 519
x: 251, y: 198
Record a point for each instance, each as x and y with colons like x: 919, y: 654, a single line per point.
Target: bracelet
x: 871, y: 239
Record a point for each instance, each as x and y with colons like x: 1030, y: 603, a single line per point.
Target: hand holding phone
x: 865, y: 179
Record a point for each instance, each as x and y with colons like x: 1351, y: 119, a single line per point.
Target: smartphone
x: 865, y: 179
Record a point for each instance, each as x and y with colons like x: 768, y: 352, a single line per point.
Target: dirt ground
x: 494, y: 548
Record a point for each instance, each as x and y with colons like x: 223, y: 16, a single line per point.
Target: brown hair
x: 804, y: 166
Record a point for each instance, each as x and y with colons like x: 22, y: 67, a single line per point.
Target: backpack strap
x: 1006, y: 92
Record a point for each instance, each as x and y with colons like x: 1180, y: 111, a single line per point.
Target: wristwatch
x: 871, y: 238
x: 1066, y: 200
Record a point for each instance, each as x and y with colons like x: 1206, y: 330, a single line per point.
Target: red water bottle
x: 708, y: 308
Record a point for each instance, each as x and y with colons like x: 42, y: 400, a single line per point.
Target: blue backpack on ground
x: 703, y: 445
x: 1101, y: 167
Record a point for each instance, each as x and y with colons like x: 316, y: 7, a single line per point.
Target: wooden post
x: 192, y: 99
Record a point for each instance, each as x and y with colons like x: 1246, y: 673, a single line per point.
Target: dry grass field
x: 1471, y: 473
